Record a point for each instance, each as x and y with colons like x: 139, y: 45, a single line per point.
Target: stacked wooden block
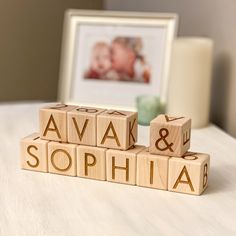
x: 100, y: 144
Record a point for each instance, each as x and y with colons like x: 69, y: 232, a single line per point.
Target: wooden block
x: 91, y: 162
x: 82, y: 125
x: 34, y: 153
x: 117, y: 129
x: 121, y: 165
x: 53, y: 122
x: 189, y: 174
x: 62, y: 158
x: 152, y: 170
x: 170, y: 135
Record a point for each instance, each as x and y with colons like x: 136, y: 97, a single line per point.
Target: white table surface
x: 33, y: 203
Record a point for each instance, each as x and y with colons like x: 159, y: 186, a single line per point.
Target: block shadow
x: 221, y: 179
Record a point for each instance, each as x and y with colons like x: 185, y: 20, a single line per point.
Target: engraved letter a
x: 180, y: 180
x: 54, y: 129
x: 114, y: 136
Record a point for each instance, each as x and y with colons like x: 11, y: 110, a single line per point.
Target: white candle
x: 190, y: 79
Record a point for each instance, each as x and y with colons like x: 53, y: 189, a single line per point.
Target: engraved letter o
x: 53, y: 162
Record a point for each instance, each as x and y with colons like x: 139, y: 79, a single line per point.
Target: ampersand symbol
x: 163, y: 134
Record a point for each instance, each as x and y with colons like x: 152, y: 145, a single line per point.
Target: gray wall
x: 213, y: 18
x: 30, y: 41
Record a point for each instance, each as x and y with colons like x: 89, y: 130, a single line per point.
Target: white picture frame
x: 81, y: 27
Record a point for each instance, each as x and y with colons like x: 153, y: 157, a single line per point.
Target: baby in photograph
x: 128, y: 61
x: 121, y: 60
x: 100, y: 61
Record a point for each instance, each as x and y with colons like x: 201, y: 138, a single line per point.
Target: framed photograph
x: 111, y: 58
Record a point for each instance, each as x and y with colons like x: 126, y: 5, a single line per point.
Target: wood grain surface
x: 34, y: 203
